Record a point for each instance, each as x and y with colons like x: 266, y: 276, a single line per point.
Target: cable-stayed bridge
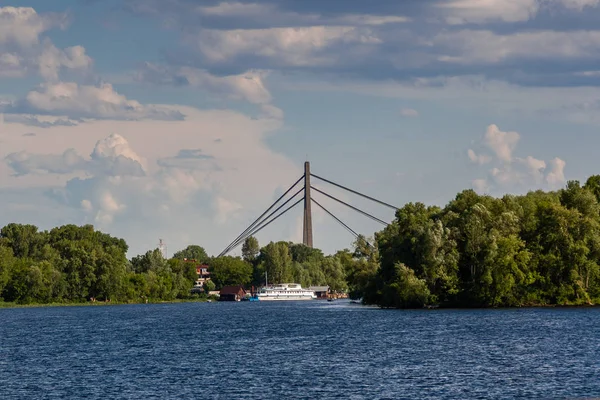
x: 303, y: 194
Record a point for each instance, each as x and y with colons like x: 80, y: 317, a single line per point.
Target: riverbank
x: 100, y: 303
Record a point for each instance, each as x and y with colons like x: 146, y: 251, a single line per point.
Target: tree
x: 152, y: 260
x: 277, y: 261
x: 25, y: 240
x: 334, y: 274
x: 302, y: 253
x: 593, y: 185
x: 229, y: 270
x: 208, y: 286
x: 250, y: 249
x: 405, y: 291
x: 6, y: 264
x: 185, y: 269
x: 193, y: 252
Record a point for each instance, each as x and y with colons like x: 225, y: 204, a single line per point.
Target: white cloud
x: 111, y: 156
x: 114, y: 146
x: 367, y: 19
x: 238, y: 180
x: 480, y: 185
x: 501, y: 143
x: 22, y: 50
x: 480, y: 11
x: 510, y: 172
x: 24, y: 163
x: 225, y: 209
x: 53, y: 59
x: 483, y: 11
x: 483, y: 46
x: 256, y: 13
x: 409, y: 112
x: 535, y: 167
x: 248, y: 86
x: 236, y: 9
x: 86, y: 205
x: 556, y: 176
x: 304, y: 46
x: 478, y: 158
x: 23, y: 25
x: 10, y: 65
x: 80, y: 101
x: 42, y: 121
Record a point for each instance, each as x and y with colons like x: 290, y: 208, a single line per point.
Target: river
x: 297, y: 350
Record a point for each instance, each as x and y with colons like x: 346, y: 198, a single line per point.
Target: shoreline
x: 6, y: 305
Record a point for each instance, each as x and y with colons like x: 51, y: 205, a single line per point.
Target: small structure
x: 321, y: 291
x: 232, y: 293
x: 203, y: 274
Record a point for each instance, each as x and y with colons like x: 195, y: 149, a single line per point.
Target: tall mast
x: 307, y: 236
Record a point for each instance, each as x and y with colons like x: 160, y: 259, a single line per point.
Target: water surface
x: 297, y: 350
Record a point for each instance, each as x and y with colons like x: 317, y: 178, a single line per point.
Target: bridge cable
x: 352, y: 207
x: 259, y: 228
x: 355, y: 192
x: 340, y: 221
x: 263, y: 214
x: 251, y: 232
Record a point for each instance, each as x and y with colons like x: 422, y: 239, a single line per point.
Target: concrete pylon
x: 307, y: 236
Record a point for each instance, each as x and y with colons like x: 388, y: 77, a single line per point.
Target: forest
x: 77, y: 264
x: 537, y: 249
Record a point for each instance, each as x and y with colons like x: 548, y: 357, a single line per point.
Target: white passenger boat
x: 286, y: 291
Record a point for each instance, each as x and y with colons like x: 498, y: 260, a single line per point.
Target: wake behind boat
x: 286, y: 291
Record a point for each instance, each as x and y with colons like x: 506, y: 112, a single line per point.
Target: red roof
x: 239, y: 290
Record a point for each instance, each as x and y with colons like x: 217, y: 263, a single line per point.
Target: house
x: 232, y: 293
x: 320, y: 291
x: 201, y: 272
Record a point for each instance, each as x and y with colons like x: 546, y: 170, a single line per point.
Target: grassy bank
x: 101, y: 303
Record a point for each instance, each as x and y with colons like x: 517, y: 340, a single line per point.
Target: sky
x: 183, y: 120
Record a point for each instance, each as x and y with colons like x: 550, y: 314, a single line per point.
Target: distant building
x: 203, y: 274
x: 201, y: 271
x: 320, y: 291
x: 232, y: 293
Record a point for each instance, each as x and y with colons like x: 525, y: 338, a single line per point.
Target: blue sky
x: 183, y: 120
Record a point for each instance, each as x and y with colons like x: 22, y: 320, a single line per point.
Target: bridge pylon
x: 267, y: 218
x: 307, y: 231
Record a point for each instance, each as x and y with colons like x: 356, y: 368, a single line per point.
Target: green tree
x: 208, y: 286
x: 152, y: 260
x: 277, y: 261
x: 335, y: 275
x: 250, y: 249
x: 593, y: 185
x: 229, y: 270
x: 24, y: 240
x: 6, y: 264
x: 193, y: 252
x: 405, y: 290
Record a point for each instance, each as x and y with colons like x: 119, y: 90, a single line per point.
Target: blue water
x: 300, y: 350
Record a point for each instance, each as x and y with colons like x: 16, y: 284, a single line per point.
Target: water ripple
x: 297, y: 351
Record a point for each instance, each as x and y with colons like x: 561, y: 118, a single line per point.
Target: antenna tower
x: 162, y: 246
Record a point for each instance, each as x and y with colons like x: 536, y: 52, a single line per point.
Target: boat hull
x: 285, y: 298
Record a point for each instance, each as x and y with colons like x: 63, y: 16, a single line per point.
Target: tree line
x: 75, y: 264
x: 541, y: 248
